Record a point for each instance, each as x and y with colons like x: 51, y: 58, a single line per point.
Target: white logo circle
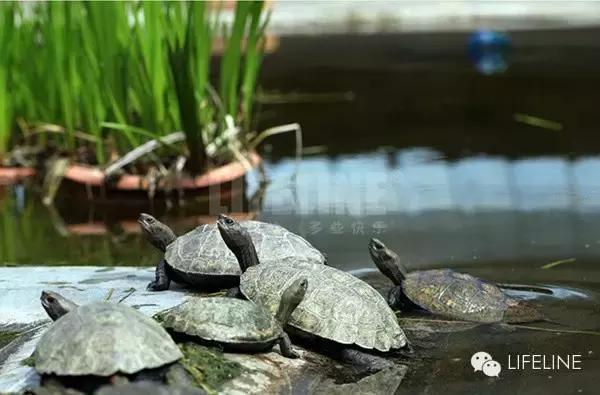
x: 491, y: 368
x: 478, y: 359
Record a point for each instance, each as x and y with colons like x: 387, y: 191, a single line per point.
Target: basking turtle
x: 449, y: 293
x: 200, y: 258
x: 340, y: 314
x: 101, y: 340
x: 236, y: 325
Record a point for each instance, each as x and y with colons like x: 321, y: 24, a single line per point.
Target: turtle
x: 448, y: 293
x: 100, y: 340
x: 340, y: 315
x: 235, y: 324
x: 201, y: 259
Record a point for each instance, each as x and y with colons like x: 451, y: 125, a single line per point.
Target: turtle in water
x: 100, y: 340
x: 449, y: 293
x: 340, y: 314
x: 235, y: 324
x: 200, y: 258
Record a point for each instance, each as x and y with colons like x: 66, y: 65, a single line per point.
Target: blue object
x: 488, y: 50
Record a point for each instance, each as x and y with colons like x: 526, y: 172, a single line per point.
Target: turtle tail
x: 523, y: 312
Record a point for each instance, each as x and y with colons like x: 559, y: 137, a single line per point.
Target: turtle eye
x: 50, y: 299
x: 377, y: 244
x: 229, y: 221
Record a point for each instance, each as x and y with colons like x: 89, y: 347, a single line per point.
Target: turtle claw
x: 285, y: 345
x: 155, y: 286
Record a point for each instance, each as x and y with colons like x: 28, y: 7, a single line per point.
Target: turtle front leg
x: 285, y: 344
x: 394, y: 298
x: 397, y: 300
x: 162, y: 280
x: 365, y: 362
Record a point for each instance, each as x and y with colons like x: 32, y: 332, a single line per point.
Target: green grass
x: 105, y: 71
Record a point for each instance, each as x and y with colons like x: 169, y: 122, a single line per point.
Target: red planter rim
x: 11, y: 175
x: 93, y: 176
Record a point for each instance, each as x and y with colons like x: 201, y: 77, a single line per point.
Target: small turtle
x: 449, y: 293
x: 200, y: 258
x: 340, y: 314
x: 100, y: 340
x: 234, y: 324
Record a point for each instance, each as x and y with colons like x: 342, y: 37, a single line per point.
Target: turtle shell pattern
x: 456, y: 295
x: 102, y: 339
x: 202, y: 251
x: 337, y: 306
x: 223, y: 320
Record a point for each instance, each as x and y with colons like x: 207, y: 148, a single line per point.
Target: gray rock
x: 147, y: 388
x: 386, y: 381
x: 266, y: 373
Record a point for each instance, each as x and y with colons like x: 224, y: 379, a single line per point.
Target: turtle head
x: 232, y: 232
x: 387, y: 261
x: 56, y: 305
x: 157, y: 233
x: 290, y: 299
x: 238, y: 240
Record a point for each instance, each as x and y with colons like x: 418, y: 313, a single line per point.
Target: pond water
x: 495, y: 218
x: 446, y: 180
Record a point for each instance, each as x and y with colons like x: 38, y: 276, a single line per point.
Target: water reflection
x: 418, y: 181
x: 434, y: 211
x: 477, y: 209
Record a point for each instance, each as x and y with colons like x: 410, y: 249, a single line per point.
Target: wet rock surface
x: 23, y: 320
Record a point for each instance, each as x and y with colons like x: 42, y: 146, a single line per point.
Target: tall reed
x: 120, y: 73
x: 6, y: 49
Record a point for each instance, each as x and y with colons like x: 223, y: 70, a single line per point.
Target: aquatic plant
x: 29, y: 361
x: 84, y: 85
x: 208, y: 367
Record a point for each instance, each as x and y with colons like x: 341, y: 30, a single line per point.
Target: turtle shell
x: 337, y: 306
x: 202, y: 251
x: 102, y: 339
x: 456, y: 295
x: 222, y: 320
